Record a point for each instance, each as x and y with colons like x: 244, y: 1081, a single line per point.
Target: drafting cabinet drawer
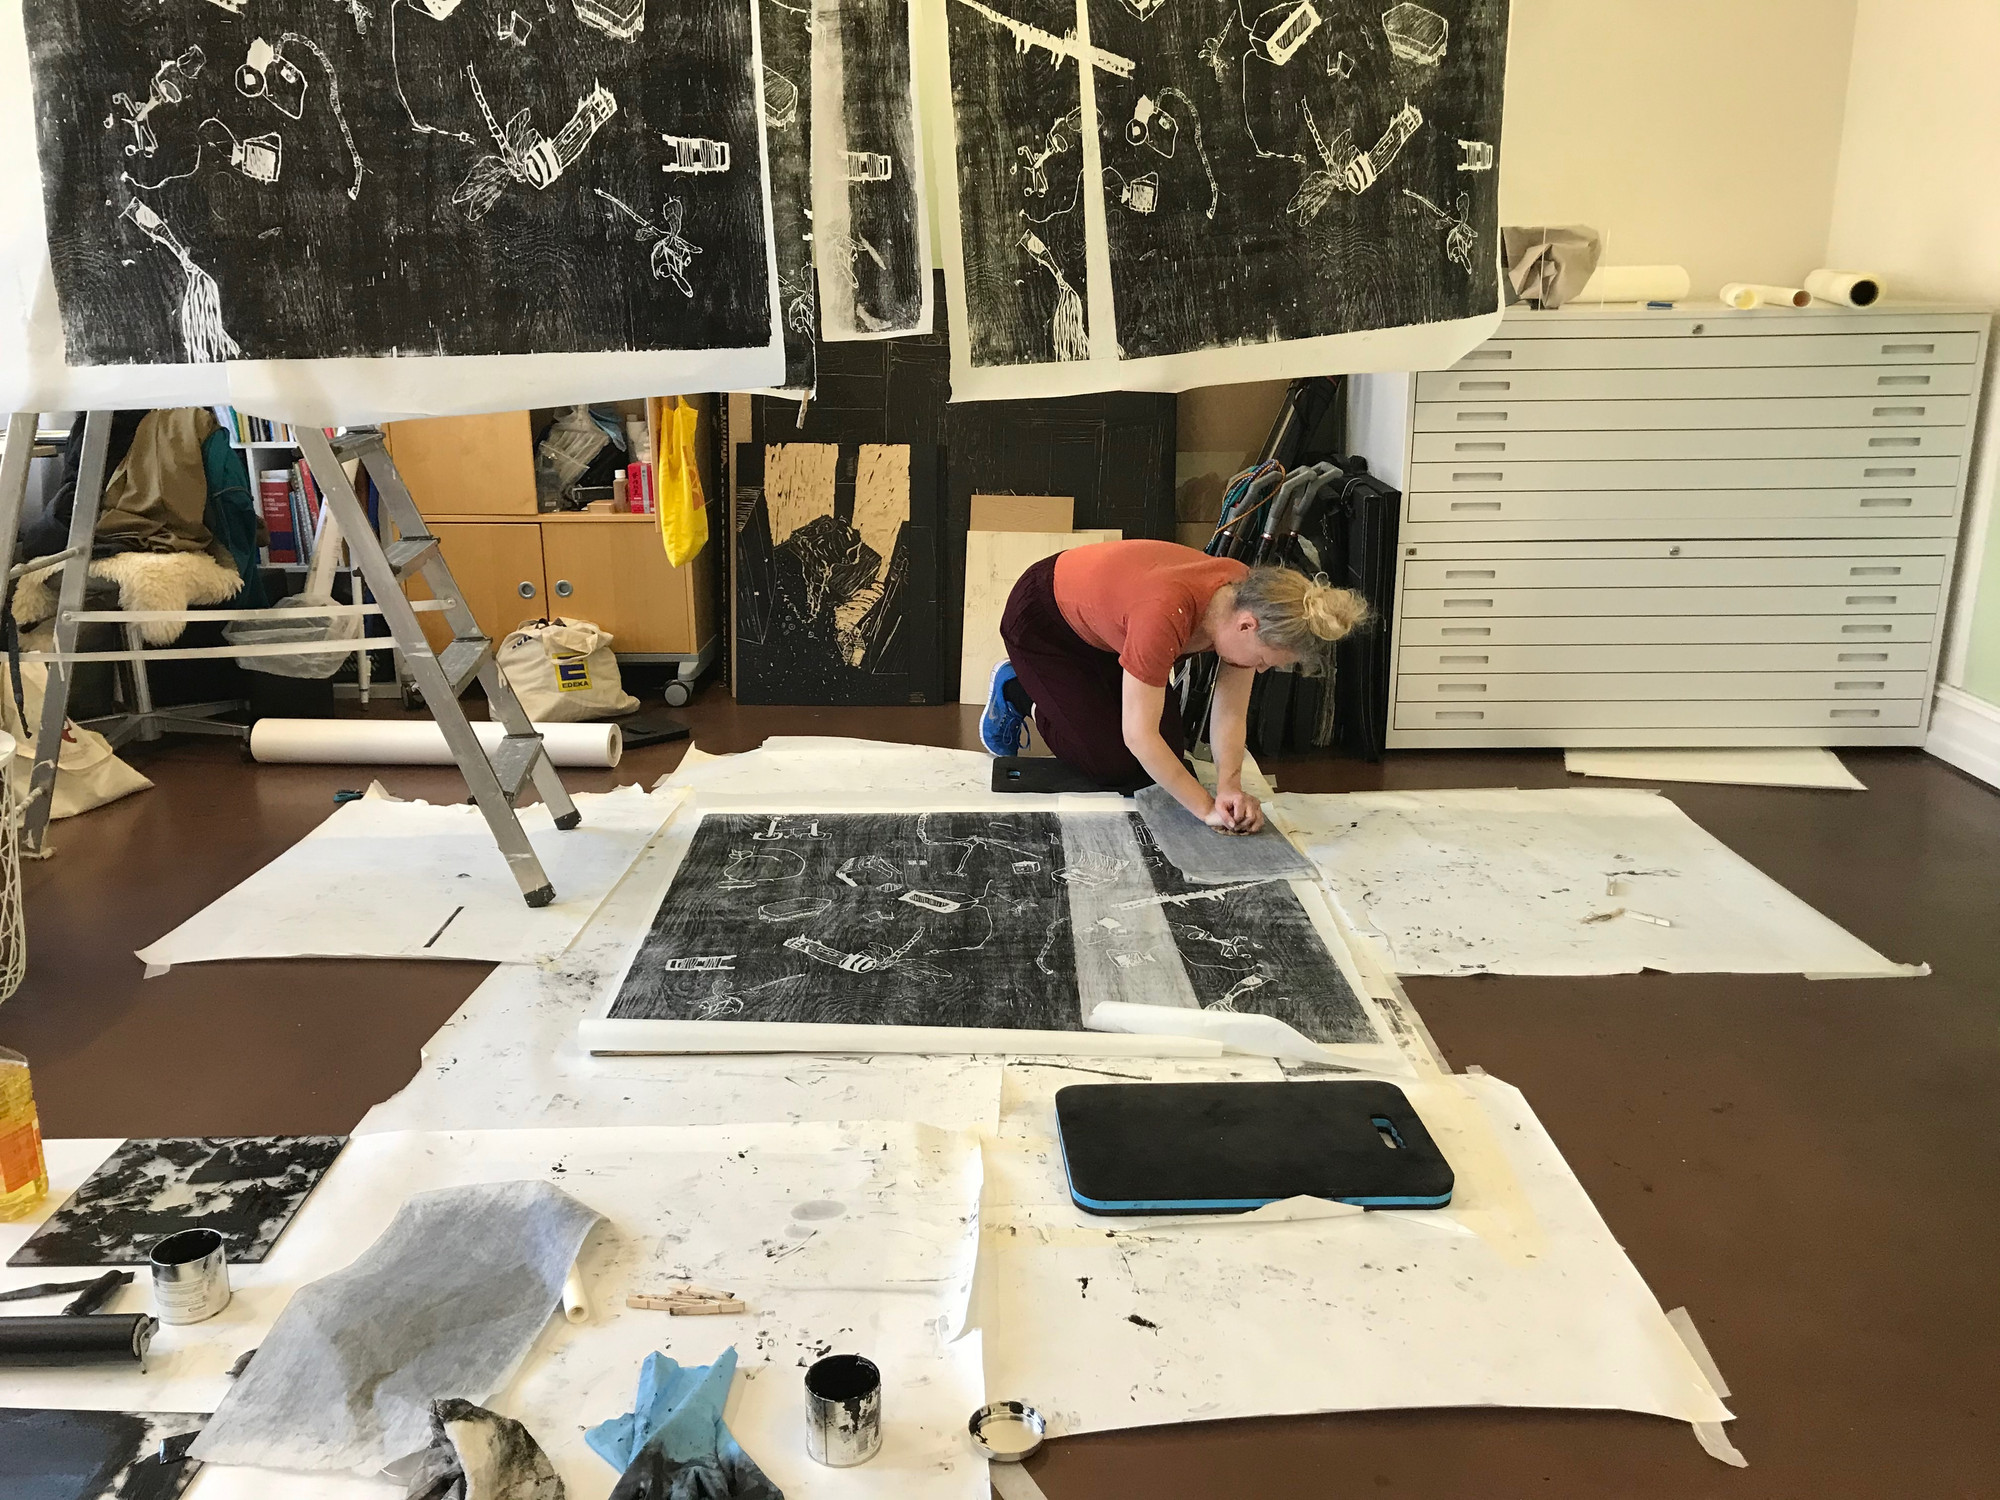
x: 1643, y: 713
x: 1695, y: 352
x: 1459, y: 448
x: 1685, y: 506
x: 1514, y: 687
x: 1474, y: 475
x: 1845, y: 659
x: 1903, y: 382
x: 1649, y: 572
x: 1858, y: 630
x: 1468, y: 604
x: 1692, y: 414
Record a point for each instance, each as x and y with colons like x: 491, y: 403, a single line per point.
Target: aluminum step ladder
x: 495, y: 781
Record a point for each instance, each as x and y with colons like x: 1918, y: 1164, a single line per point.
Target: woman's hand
x: 1236, y: 811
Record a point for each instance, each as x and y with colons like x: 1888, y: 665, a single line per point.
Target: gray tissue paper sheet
x: 445, y: 1304
x: 1209, y: 857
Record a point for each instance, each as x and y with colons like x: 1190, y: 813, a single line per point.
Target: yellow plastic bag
x: 683, y: 510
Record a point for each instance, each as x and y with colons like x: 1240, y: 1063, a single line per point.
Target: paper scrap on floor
x: 388, y: 879
x: 1559, y: 882
x: 861, y: 1236
x: 1515, y: 1295
x: 1801, y: 765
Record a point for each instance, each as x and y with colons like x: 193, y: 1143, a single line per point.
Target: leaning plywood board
x: 1558, y: 882
x: 1805, y: 766
x: 994, y: 563
x: 1023, y: 513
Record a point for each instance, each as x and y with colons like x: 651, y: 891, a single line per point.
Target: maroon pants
x: 1078, y: 691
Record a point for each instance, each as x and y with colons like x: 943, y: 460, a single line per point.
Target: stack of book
x: 292, y: 509
x: 247, y: 429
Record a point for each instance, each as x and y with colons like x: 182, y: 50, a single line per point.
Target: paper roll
x: 1744, y: 295
x: 415, y: 742
x: 1848, y: 288
x: 576, y: 1301
x: 1635, y: 284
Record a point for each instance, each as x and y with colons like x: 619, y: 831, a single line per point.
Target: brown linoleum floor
x: 1813, y: 1168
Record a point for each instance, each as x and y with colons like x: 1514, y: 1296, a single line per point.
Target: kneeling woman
x: 1093, y: 634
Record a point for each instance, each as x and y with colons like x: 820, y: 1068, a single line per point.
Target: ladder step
x: 358, y: 443
x: 514, y: 762
x: 462, y: 659
x: 410, y: 553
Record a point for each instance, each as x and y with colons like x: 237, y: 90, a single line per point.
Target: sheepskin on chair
x: 146, y: 580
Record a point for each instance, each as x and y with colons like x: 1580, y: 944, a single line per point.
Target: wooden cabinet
x: 473, y: 478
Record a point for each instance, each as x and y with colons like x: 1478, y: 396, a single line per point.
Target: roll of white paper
x: 576, y: 1301
x: 416, y: 742
x: 1743, y: 295
x: 1635, y: 284
x: 1848, y: 288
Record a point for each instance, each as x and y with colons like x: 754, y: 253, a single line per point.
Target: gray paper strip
x: 1123, y: 952
x: 446, y: 1303
x: 1208, y: 857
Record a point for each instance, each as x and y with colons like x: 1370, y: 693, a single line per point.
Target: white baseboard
x: 1965, y: 732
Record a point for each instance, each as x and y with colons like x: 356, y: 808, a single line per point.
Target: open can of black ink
x: 843, y: 1411
x: 190, y: 1277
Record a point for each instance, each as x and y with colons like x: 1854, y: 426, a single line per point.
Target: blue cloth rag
x: 674, y: 1442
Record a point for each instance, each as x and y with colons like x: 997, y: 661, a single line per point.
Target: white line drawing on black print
x: 525, y: 154
x: 671, y: 255
x: 1349, y: 170
x: 1459, y: 235
x: 1159, y: 132
x: 206, y: 340
x: 620, y: 19
x: 268, y: 74
x: 696, y: 154
x: 1027, y: 37
x: 259, y: 157
x: 1415, y: 33
x: 1072, y: 338
x: 171, y: 81
x: 1475, y: 156
x: 437, y: 10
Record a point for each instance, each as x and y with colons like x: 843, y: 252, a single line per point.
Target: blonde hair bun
x: 1300, y: 615
x: 1331, y: 613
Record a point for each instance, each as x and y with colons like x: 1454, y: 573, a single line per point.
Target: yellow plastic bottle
x: 24, y: 1173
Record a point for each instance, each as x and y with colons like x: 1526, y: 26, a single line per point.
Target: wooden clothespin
x: 687, y: 1301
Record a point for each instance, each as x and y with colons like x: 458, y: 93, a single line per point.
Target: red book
x: 652, y: 505
x: 274, y: 496
x: 635, y: 487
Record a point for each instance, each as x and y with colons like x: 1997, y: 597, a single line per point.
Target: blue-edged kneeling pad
x: 1190, y: 1148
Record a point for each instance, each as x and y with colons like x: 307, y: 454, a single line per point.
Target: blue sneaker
x: 1002, y: 727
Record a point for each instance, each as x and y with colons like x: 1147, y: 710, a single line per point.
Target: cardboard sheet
x: 383, y: 879
x: 860, y: 1240
x: 1801, y: 765
x: 1548, y: 882
x: 1516, y: 1295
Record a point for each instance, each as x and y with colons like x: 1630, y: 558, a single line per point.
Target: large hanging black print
x: 232, y: 179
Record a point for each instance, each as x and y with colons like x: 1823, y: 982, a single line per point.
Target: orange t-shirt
x: 1140, y: 599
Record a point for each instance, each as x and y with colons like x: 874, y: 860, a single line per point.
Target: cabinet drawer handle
x: 1468, y: 572
x: 1860, y: 656
x: 1878, y: 501
x: 1479, y: 447
x: 1486, y: 385
x: 1487, y: 505
x: 1487, y: 351
x: 1859, y: 687
x: 1482, y: 416
x: 1888, y: 473
x: 1476, y: 476
x: 1909, y: 348
x: 1477, y: 603
x: 1883, y: 599
x: 1902, y: 380
x: 1900, y: 411
x: 564, y: 588
x: 1896, y: 442
x: 1480, y: 661
x: 1479, y: 631
x: 525, y: 589
x: 1442, y: 714
x: 1874, y: 572
x: 1866, y: 629
x: 1854, y: 713
x: 1461, y: 687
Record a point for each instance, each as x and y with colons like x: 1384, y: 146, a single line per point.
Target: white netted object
x: 13, y: 931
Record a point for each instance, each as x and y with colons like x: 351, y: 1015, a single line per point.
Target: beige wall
x: 1697, y: 132
x: 1918, y: 202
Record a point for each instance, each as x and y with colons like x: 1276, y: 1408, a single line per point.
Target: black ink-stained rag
x: 476, y: 1454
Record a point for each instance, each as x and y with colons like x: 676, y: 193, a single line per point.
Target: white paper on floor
x: 1559, y: 882
x: 860, y: 1238
x: 387, y: 879
x: 1516, y: 1295
x: 1803, y: 765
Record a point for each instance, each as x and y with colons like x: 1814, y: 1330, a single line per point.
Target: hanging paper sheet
x: 788, y: 94
x: 871, y: 231
x: 1150, y: 196
x: 519, y: 205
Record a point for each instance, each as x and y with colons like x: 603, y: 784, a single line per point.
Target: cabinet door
x: 618, y: 577
x: 467, y: 466
x: 493, y: 563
